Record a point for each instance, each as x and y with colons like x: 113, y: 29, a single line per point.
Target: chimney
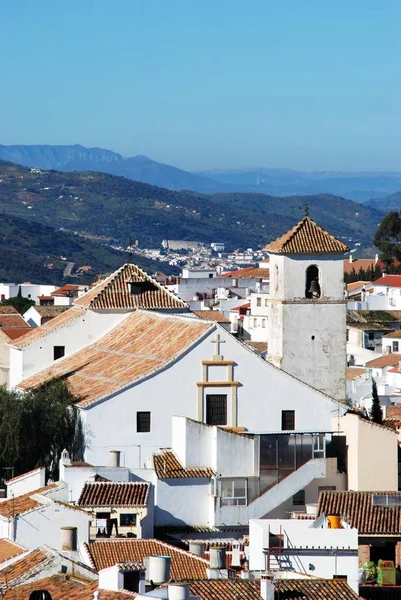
x: 114, y: 458
x: 267, y: 588
x: 197, y: 548
x: 384, y: 273
x: 68, y: 539
x: 111, y: 578
x: 64, y: 462
x: 376, y: 259
x: 157, y: 569
x: 178, y: 591
x: 350, y: 258
x: 217, y: 558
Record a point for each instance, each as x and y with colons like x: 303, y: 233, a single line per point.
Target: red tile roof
x: 60, y: 587
x: 290, y: 589
x: 247, y: 273
x: 394, y: 334
x: 167, y: 466
x: 104, y: 494
x: 7, y: 309
x: 356, y: 508
x: 22, y: 568
x: 66, y: 290
x: 21, y: 504
x: 12, y: 321
x: 184, y: 565
x: 14, y: 334
x: 387, y: 360
x: 307, y: 238
x: 353, y: 372
x: 361, y: 263
x: 115, y: 292
x: 389, y: 281
x: 9, y: 550
x: 22, y: 475
x: 50, y: 312
x: 393, y: 411
x: 141, y: 345
x: 212, y: 315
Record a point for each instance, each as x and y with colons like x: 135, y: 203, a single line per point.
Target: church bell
x: 314, y: 289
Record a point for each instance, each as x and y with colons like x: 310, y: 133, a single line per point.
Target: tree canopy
x: 36, y: 426
x: 19, y: 302
x: 376, y: 411
x: 388, y: 237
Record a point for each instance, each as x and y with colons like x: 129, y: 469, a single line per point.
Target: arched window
x: 312, y: 288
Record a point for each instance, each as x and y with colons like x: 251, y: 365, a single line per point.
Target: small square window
x: 266, y: 302
x: 298, y: 499
x: 395, y: 346
x: 58, y: 352
x: 263, y: 322
x: 143, y: 422
x: 258, y: 301
x: 127, y: 519
x: 255, y: 322
x: 287, y: 420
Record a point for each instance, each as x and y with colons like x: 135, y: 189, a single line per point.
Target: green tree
x: 36, y: 425
x: 388, y: 237
x: 19, y: 302
x: 376, y: 411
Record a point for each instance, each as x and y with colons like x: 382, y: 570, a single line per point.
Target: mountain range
x: 358, y: 186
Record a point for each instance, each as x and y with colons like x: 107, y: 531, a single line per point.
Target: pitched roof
x: 23, y: 475
x: 360, y: 263
x: 12, y: 321
x: 140, y: 346
x: 66, y: 290
x: 387, y: 360
x: 212, y: 315
x: 167, y: 466
x: 356, y: 285
x: 8, y: 309
x: 257, y: 347
x: 50, y: 312
x: 357, y: 509
x: 14, y: 334
x: 393, y: 411
x: 9, y: 549
x: 354, y: 372
x: 21, y: 504
x: 291, y: 589
x: 21, y: 569
x: 247, y: 273
x: 60, y: 587
x: 184, y: 565
x: 58, y: 322
x: 306, y: 238
x: 389, y: 281
x: 101, y: 493
x: 115, y: 292
x: 394, y: 334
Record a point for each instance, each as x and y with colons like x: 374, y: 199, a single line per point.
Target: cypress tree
x: 376, y: 411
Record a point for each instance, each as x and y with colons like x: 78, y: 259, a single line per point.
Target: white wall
x: 182, y: 501
x: 8, y: 290
x: 32, y: 290
x: 42, y: 526
x: 32, y: 317
x: 298, y: 534
x: 75, y: 335
x: 27, y: 482
x: 263, y: 392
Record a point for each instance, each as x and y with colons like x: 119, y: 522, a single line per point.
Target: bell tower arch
x: 307, y: 309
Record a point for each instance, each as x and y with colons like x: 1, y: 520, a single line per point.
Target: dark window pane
x: 143, y: 422
x: 298, y: 499
x: 216, y: 409
x: 127, y: 519
x: 287, y: 420
x: 58, y: 352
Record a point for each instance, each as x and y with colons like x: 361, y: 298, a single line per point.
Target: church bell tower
x: 307, y: 309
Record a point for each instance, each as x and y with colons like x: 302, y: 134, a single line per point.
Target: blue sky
x: 200, y: 84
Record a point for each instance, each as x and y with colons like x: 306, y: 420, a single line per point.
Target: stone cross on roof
x: 218, y: 341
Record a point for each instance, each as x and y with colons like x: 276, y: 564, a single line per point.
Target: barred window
x: 216, y: 409
x: 143, y: 422
x: 287, y: 420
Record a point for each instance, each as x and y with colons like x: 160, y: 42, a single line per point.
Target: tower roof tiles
x: 307, y: 238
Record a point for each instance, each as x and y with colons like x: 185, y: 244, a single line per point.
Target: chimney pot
x: 68, y: 539
x: 267, y: 588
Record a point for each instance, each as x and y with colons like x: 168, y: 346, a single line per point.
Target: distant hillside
x: 113, y: 209
x: 358, y: 186
x: 32, y: 252
x: 386, y: 204
x: 138, y: 168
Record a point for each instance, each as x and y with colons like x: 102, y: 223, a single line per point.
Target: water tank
x: 334, y: 521
x: 178, y: 591
x: 217, y: 558
x: 158, y: 569
x: 69, y: 539
x: 114, y: 458
x: 197, y: 548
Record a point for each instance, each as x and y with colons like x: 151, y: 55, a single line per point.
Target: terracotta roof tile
x: 356, y: 285
x: 212, y: 315
x: 58, y: 586
x: 353, y: 372
x: 357, y: 509
x: 14, y: 334
x: 167, y: 466
x: 393, y: 411
x: 247, y: 273
x: 9, y: 549
x: 22, y: 475
x: 387, y: 360
x: 306, y: 238
x: 57, y: 323
x: 184, y: 565
x: 21, y: 569
x: 7, y: 309
x: 360, y: 263
x: 105, y: 494
x: 50, y: 312
x: 389, y: 281
x: 291, y: 589
x: 115, y: 292
x: 21, y: 504
x: 140, y: 346
x: 66, y: 290
x: 393, y: 424
x: 394, y: 334
x: 12, y: 321
x: 257, y: 347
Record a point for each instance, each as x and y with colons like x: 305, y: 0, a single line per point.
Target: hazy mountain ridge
x: 117, y: 209
x: 358, y: 186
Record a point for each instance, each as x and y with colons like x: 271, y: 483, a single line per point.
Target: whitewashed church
x: 136, y: 357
